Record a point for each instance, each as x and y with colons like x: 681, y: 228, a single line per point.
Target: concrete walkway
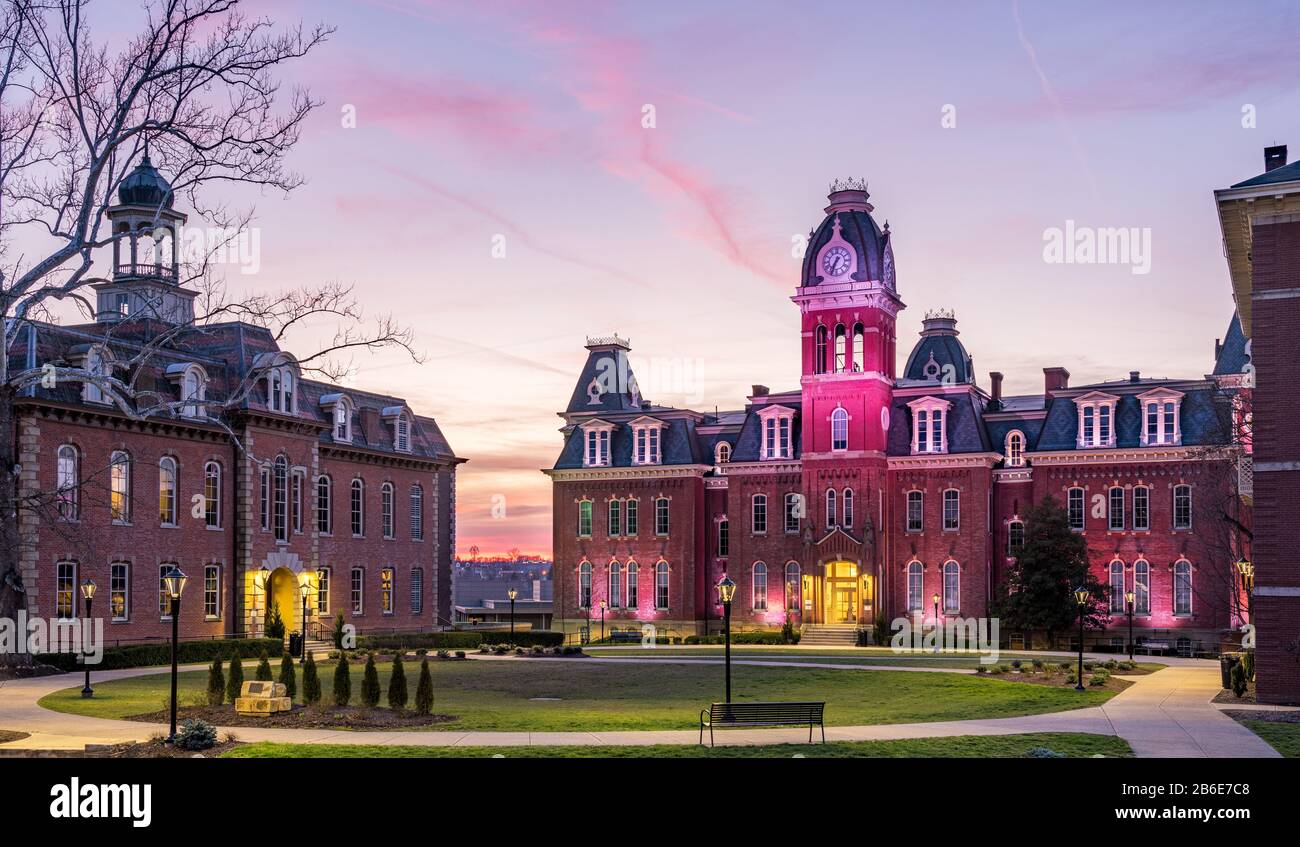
x: 1165, y: 714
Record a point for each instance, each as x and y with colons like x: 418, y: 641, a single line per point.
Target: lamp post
x: 726, y: 591
x: 1247, y: 570
x: 174, y: 583
x: 1081, y: 596
x: 304, y: 589
x: 265, y: 573
x: 1128, y: 600
x: 512, y: 594
x: 88, y: 592
x: 934, y: 598
x: 602, y: 620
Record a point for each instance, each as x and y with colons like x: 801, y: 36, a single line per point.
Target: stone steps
x: 829, y: 635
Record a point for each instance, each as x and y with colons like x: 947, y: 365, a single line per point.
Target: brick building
x: 866, y: 491
x: 252, y: 477
x: 1260, y: 218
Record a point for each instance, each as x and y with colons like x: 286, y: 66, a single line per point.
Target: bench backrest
x: 793, y: 712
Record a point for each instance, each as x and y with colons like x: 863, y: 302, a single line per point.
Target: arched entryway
x: 840, y: 594
x: 277, y: 582
x: 284, y: 595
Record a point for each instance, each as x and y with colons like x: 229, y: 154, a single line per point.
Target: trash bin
x: 295, y: 644
x: 1226, y: 663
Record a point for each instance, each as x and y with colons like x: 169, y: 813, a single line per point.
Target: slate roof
x: 748, y: 443
x: 859, y: 229
x: 1232, y: 358
x: 1286, y: 173
x: 608, y: 369
x: 1200, y: 420
x: 965, y: 425
x: 678, y: 444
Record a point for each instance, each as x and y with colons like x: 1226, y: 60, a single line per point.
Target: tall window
x: 358, y: 508
x: 632, y: 574
x: 661, y: 585
x: 915, y: 511
x: 615, y: 518
x: 760, y: 587
x: 1161, y: 422
x: 819, y: 352
x: 1095, y: 420
x: 417, y: 512
x: 1117, y: 588
x: 211, y: 591
x: 322, y: 591
x: 280, y: 388
x: 296, y: 480
x: 386, y: 590
x: 324, y: 518
x: 792, y: 586
x: 840, y: 429
x: 951, y: 510
x: 859, y: 349
x: 358, y: 591
x: 841, y: 348
x: 212, y: 495
x: 847, y: 509
x: 403, y: 433
x: 928, y: 432
x: 915, y: 587
x: 793, y: 509
x: 264, y: 493
x: 193, y: 385
x: 1074, y: 507
x: 724, y: 538
x: 584, y: 518
x: 830, y: 508
x: 759, y: 517
x: 280, y: 500
x: 1182, y: 507
x: 1142, y: 508
x: 342, y: 421
x: 68, y: 494
x: 722, y: 453
x: 1015, y: 449
x: 661, y: 516
x: 630, y: 516
x: 119, y: 473
x: 646, y: 439
x: 386, y: 509
x: 167, y: 491
x: 119, y: 590
x: 1015, y: 537
x: 776, y: 437
x: 584, y: 585
x: 417, y: 590
x: 615, y: 585
x: 1115, y: 512
x: 1141, y: 587
x: 951, y: 587
x: 65, y: 590
x: 1182, y: 587
x: 597, y: 454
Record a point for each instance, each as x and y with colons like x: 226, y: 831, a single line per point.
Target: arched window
x: 951, y: 587
x: 722, y: 453
x: 793, y: 587
x: 1117, y: 587
x: 819, y: 355
x: 1141, y: 587
x: 794, y: 512
x: 97, y: 363
x: 1141, y: 508
x: 841, y: 349
x: 1115, y: 509
x: 358, y: 508
x: 759, y: 518
x: 119, y: 474
x: 1015, y: 537
x: 1074, y: 508
x: 417, y: 512
x: 662, y: 525
x: 167, y: 491
x: 585, y: 511
x: 615, y: 585
x: 1182, y: 587
x: 951, y: 510
x: 280, y: 508
x: 68, y: 494
x: 915, y: 587
x: 724, y: 538
x: 915, y: 511
x: 212, y: 495
x: 194, y: 389
x: 859, y: 349
x: 343, y: 420
x: 1015, y: 449
x: 584, y: 585
x: 840, y: 429
x: 386, y: 509
x: 831, y: 515
x: 403, y: 433
x: 760, y: 587
x: 324, y: 515
x: 661, y: 585
x: 1182, y: 507
x: 632, y: 573
x: 846, y: 509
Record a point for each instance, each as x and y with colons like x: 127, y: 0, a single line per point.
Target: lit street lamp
x: 602, y: 621
x: 1247, y: 570
x: 1128, y: 599
x: 264, y: 573
x: 1081, y: 596
x: 174, y: 583
x: 937, y: 631
x: 512, y: 594
x: 305, y: 590
x: 88, y: 592
x: 726, y: 591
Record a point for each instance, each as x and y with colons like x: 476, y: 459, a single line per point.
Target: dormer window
x: 929, y: 420
x: 280, y: 385
x: 339, y: 407
x: 1015, y: 451
x: 400, y: 418
x: 777, y: 426
x: 1160, y: 424
x: 596, y: 436
x: 722, y: 453
x: 647, y: 441
x: 192, y: 385
x: 98, y: 362
x: 1096, y: 419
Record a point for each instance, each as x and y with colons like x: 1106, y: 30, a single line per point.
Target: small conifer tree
x: 424, y: 690
x: 216, y: 683
x: 288, y: 677
x: 234, y: 679
x: 397, y: 685
x: 310, y: 682
x: 342, y: 682
x: 263, y: 668
x: 370, y: 683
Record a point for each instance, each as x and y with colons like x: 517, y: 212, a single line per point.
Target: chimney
x: 1055, y: 379
x: 996, y: 379
x: 760, y: 391
x: 1274, y: 157
x: 1134, y: 376
x: 369, y: 418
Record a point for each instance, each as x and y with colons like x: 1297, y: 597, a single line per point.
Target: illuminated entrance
x: 841, y: 595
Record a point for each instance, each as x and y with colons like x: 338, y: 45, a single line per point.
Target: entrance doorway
x: 841, y: 595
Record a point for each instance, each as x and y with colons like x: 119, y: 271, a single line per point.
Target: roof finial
x: 849, y: 184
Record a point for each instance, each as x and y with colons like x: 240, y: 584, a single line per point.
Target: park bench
x: 263, y: 698
x: 1153, y: 647
x: 735, y: 715
x: 624, y: 636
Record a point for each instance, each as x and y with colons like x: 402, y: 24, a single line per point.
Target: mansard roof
x: 1231, y: 355
x: 678, y: 444
x: 964, y: 426
x: 1200, y: 419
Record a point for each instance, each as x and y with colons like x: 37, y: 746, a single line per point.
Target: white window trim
x: 1158, y: 397
x: 944, y: 504
x: 1191, y: 588
x: 1092, y: 403
x: 772, y: 416
x: 931, y: 406
x: 593, y: 429
x: 907, y: 510
x: 841, y: 412
x: 1012, y: 460
x: 652, y: 430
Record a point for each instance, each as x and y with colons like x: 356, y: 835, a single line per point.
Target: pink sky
x: 524, y: 120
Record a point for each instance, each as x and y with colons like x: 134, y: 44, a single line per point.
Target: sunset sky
x: 521, y: 124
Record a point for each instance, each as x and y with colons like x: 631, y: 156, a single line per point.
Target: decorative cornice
x: 779, y: 466
x: 1009, y: 475
x: 945, y: 460
x: 1115, y: 455
x: 639, y: 472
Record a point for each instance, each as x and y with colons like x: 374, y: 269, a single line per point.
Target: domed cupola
x: 848, y: 247
x: 144, y: 186
x: 939, y: 356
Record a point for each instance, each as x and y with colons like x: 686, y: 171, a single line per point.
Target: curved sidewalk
x: 1164, y: 714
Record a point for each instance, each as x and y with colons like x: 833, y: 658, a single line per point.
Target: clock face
x: 835, y: 261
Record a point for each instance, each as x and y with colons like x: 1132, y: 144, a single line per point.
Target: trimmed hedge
x: 760, y: 636
x: 144, y: 655
x: 460, y: 639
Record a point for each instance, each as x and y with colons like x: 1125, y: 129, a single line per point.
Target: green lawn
x: 854, y: 656
x: 1282, y: 737
x: 513, y: 694
x: 1077, y: 745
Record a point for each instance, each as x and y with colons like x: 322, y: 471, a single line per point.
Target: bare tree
x: 196, y: 91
